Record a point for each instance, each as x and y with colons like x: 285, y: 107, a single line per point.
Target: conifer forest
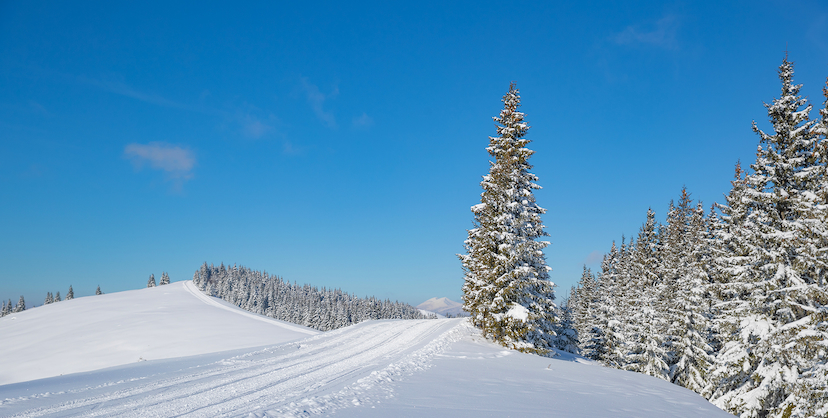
x: 729, y: 301
x: 322, y: 309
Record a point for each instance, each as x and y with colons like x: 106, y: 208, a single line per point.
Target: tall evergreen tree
x: 784, y: 208
x: 49, y: 298
x: 688, y: 309
x: 70, y: 294
x: 98, y: 291
x: 165, y: 279
x: 151, y: 281
x: 647, y: 349
x: 582, y: 304
x: 735, y: 283
x: 606, y: 342
x: 57, y: 297
x: 507, y: 289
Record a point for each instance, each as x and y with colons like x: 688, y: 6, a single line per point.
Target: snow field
x: 96, y: 332
x: 319, y: 374
x: 384, y: 368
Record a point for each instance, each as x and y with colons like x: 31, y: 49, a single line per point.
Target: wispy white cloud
x: 176, y: 162
x: 250, y: 121
x: 252, y: 126
x: 363, y: 121
x: 661, y: 33
x: 594, y: 257
x: 316, y: 99
x: 123, y: 89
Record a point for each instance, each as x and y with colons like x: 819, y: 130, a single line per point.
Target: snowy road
x: 347, y: 367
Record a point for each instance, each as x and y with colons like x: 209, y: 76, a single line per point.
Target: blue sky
x: 341, y: 144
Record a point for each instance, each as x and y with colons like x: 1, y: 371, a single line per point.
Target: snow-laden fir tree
x: 98, y: 291
x: 49, y: 298
x: 21, y: 305
x: 647, y: 351
x: 605, y: 343
x: 151, y: 281
x: 567, y: 337
x: 688, y: 307
x: 57, y: 297
x: 507, y: 289
x: 788, y: 215
x: 582, y: 303
x: 810, y: 393
x: 165, y: 279
x: 70, y: 294
x: 735, y: 285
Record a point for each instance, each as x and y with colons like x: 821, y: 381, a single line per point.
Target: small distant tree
x: 98, y: 291
x: 165, y: 279
x: 57, y: 297
x: 70, y: 294
x: 151, y: 282
x: 49, y: 298
x: 21, y: 305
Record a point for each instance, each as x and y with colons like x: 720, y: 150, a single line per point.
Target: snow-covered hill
x: 377, y: 369
x: 114, y: 329
x: 442, y: 306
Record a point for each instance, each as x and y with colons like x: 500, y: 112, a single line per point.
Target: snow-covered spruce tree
x: 151, y: 281
x: 647, y: 352
x: 582, y: 303
x: 70, y: 294
x: 567, y: 337
x: 21, y: 305
x: 810, y: 393
x: 507, y: 289
x: 165, y: 279
x: 49, y: 298
x: 605, y: 342
x: 688, y: 307
x: 57, y: 297
x: 788, y: 215
x: 98, y: 291
x: 735, y: 284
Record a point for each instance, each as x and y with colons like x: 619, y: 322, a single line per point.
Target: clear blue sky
x: 341, y: 144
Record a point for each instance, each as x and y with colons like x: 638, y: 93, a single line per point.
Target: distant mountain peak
x: 442, y: 306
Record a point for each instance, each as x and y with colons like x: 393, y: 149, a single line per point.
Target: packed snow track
x: 320, y: 374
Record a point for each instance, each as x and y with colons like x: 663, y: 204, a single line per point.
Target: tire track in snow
x: 321, y: 374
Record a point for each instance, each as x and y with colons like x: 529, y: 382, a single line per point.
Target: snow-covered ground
x: 376, y: 368
x: 113, y: 329
x: 442, y: 306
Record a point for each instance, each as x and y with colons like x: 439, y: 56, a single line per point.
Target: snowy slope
x: 374, y: 369
x: 114, y: 329
x: 442, y: 306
